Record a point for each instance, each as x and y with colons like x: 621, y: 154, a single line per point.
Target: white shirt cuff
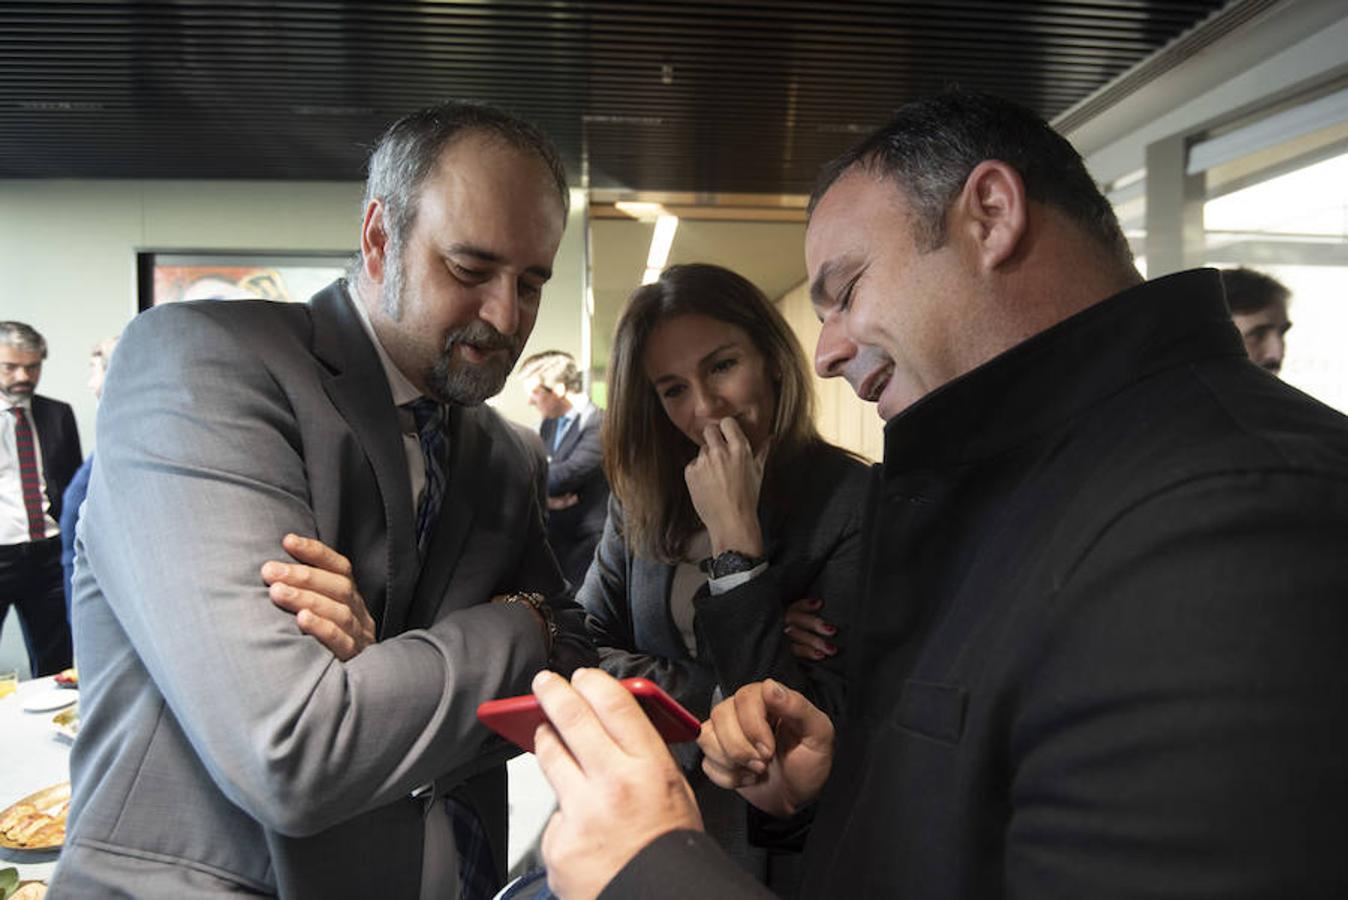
x: 727, y: 583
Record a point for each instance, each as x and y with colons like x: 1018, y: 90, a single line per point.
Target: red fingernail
x: 830, y: 648
x: 830, y: 629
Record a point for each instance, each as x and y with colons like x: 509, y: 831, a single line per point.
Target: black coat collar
x: 1053, y: 376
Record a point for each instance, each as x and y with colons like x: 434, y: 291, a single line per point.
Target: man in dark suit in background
x: 39, y: 452
x: 1100, y: 652
x: 571, y: 430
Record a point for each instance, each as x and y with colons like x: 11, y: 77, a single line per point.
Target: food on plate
x: 38, y: 821
x: 68, y: 678
x: 15, y: 815
x: 67, y: 722
x: 11, y: 888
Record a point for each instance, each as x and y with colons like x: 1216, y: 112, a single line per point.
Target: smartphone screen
x: 517, y: 718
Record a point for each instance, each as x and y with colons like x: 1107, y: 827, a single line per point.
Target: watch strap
x: 729, y: 562
x: 539, y: 604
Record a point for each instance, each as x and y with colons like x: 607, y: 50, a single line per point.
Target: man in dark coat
x: 1100, y: 649
x: 39, y: 452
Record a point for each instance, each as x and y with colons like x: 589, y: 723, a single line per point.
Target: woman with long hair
x: 727, y: 507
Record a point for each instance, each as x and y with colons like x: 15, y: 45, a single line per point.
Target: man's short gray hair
x: 23, y: 337
x: 411, y: 148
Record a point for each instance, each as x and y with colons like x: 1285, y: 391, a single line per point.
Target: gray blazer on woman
x: 812, y: 539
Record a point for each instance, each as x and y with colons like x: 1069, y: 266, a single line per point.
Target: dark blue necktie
x: 562, y: 425
x: 430, y: 419
x: 477, y: 872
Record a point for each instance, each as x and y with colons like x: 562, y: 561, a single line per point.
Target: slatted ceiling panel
x: 677, y: 96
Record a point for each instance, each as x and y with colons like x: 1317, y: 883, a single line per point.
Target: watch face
x: 731, y: 562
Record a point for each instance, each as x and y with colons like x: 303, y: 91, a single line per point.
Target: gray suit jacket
x: 221, y: 749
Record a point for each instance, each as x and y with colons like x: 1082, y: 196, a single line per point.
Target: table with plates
x: 33, y: 756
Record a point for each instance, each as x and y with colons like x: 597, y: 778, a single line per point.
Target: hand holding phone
x: 517, y: 718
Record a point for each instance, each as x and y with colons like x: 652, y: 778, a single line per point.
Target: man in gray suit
x: 225, y: 750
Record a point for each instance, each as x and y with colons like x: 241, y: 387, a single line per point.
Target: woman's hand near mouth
x: 724, y: 482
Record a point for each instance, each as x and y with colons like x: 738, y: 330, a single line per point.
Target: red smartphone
x: 517, y: 718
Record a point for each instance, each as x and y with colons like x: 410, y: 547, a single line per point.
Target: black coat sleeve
x: 682, y: 864
x: 741, y: 631
x: 60, y: 440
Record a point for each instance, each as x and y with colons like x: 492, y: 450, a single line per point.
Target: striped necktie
x: 28, y: 476
x: 430, y: 419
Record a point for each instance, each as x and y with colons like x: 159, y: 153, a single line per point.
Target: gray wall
x: 68, y: 258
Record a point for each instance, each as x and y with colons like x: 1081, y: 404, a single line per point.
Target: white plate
x: 47, y: 701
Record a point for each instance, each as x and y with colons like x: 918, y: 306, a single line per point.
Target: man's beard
x: 448, y: 379
x: 468, y: 384
x: 21, y: 390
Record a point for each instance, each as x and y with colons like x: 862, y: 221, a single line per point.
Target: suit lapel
x: 572, y: 436
x: 47, y: 425
x: 468, y: 449
x: 653, y: 627
x: 50, y: 435
x: 358, y: 388
x: 569, y: 440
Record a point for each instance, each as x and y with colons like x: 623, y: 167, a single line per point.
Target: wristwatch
x: 729, y: 562
x: 539, y: 604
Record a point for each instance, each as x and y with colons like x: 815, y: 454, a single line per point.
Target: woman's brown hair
x: 644, y: 453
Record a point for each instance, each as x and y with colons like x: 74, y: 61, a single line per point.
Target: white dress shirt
x: 13, y: 514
